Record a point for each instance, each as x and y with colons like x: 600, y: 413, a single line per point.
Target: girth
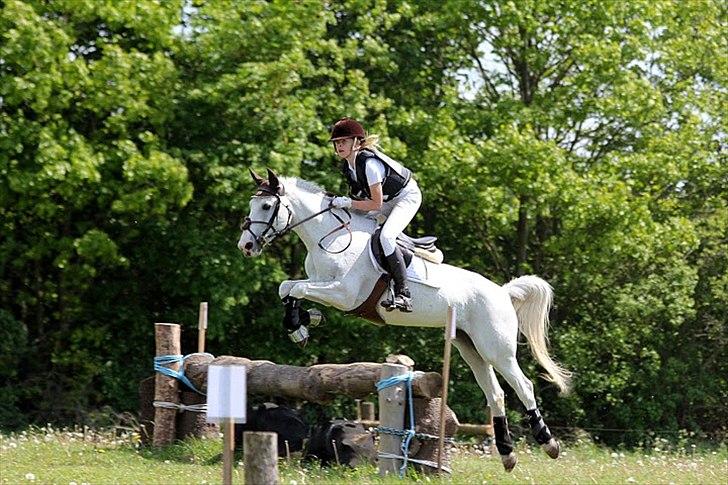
x: 368, y: 309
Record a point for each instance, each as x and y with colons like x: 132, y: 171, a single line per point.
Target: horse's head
x: 269, y: 214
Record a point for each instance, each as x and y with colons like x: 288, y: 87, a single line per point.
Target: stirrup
x: 399, y: 302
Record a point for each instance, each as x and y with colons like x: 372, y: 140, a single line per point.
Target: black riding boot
x: 398, y: 270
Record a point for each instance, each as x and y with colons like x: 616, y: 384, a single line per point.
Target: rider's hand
x: 341, y: 202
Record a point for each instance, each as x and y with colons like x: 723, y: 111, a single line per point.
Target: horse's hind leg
x: 515, y: 377
x: 485, y: 376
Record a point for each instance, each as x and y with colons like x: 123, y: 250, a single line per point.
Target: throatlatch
x: 539, y: 429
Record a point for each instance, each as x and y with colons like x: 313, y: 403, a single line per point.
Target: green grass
x: 47, y: 455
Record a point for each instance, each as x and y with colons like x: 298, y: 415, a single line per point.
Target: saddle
x: 423, y: 247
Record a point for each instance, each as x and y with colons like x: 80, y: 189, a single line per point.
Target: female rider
x: 378, y: 183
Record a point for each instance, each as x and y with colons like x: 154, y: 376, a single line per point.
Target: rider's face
x: 345, y: 147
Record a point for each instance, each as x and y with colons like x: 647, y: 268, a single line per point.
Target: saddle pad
x: 417, y: 270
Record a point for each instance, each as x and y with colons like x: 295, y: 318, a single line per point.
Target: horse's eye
x: 266, y: 206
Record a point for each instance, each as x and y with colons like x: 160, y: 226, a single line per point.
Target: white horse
x: 341, y: 274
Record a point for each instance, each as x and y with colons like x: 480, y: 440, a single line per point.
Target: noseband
x: 265, y: 238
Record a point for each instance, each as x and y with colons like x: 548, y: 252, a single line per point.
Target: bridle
x: 270, y: 233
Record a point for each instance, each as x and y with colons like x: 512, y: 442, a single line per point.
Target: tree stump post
x: 167, y: 339
x: 367, y: 411
x: 191, y: 423
x: 261, y: 458
x: 428, y: 415
x: 392, y: 402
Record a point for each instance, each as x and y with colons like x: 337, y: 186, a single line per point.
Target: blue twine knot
x: 163, y: 360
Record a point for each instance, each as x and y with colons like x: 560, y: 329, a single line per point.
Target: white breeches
x: 399, y: 212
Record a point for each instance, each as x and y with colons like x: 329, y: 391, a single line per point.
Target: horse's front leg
x: 284, y: 289
x: 331, y: 293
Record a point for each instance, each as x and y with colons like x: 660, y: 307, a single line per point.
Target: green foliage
x: 583, y: 141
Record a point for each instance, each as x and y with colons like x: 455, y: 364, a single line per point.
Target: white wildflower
x: 30, y: 477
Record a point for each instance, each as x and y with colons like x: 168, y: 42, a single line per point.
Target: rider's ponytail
x: 371, y: 141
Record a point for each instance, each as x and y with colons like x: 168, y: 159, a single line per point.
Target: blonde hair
x: 371, y: 141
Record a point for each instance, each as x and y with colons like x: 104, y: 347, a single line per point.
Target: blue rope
x: 408, y: 434
x: 162, y: 360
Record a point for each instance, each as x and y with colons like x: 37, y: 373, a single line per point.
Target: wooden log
x: 261, y: 458
x: 392, y: 401
x: 167, y: 339
x: 463, y: 428
x: 475, y: 429
x: 318, y: 383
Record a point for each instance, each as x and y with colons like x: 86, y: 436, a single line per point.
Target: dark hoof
x: 509, y: 461
x: 552, y: 448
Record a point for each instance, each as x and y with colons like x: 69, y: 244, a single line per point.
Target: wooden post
x: 228, y: 448
x: 358, y: 409
x: 449, y: 335
x: 261, y: 458
x: 392, y: 402
x: 202, y: 327
x: 367, y: 411
x: 167, y: 339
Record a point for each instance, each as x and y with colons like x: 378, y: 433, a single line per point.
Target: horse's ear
x: 274, y: 183
x: 256, y: 178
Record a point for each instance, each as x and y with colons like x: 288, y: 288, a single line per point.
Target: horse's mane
x: 304, y: 185
x: 295, y: 185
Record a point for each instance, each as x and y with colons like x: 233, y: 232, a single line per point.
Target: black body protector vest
x: 396, y: 176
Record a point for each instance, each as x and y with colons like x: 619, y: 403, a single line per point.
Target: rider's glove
x: 341, y: 202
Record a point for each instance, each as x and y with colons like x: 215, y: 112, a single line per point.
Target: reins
x: 263, y: 241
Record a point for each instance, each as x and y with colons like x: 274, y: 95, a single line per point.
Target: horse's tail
x: 531, y: 297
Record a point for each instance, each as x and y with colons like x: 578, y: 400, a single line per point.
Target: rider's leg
x: 404, y: 209
x: 402, y: 297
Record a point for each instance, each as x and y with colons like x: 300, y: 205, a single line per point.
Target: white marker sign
x: 226, y: 393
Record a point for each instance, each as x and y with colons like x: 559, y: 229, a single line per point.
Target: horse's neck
x: 306, y: 204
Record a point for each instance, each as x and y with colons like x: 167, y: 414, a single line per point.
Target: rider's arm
x: 373, y: 204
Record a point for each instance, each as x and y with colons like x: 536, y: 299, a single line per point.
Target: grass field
x: 46, y: 455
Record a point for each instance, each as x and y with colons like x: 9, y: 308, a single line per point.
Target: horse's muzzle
x: 248, y: 248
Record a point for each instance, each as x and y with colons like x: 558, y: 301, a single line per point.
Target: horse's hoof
x: 552, y: 448
x: 509, y: 461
